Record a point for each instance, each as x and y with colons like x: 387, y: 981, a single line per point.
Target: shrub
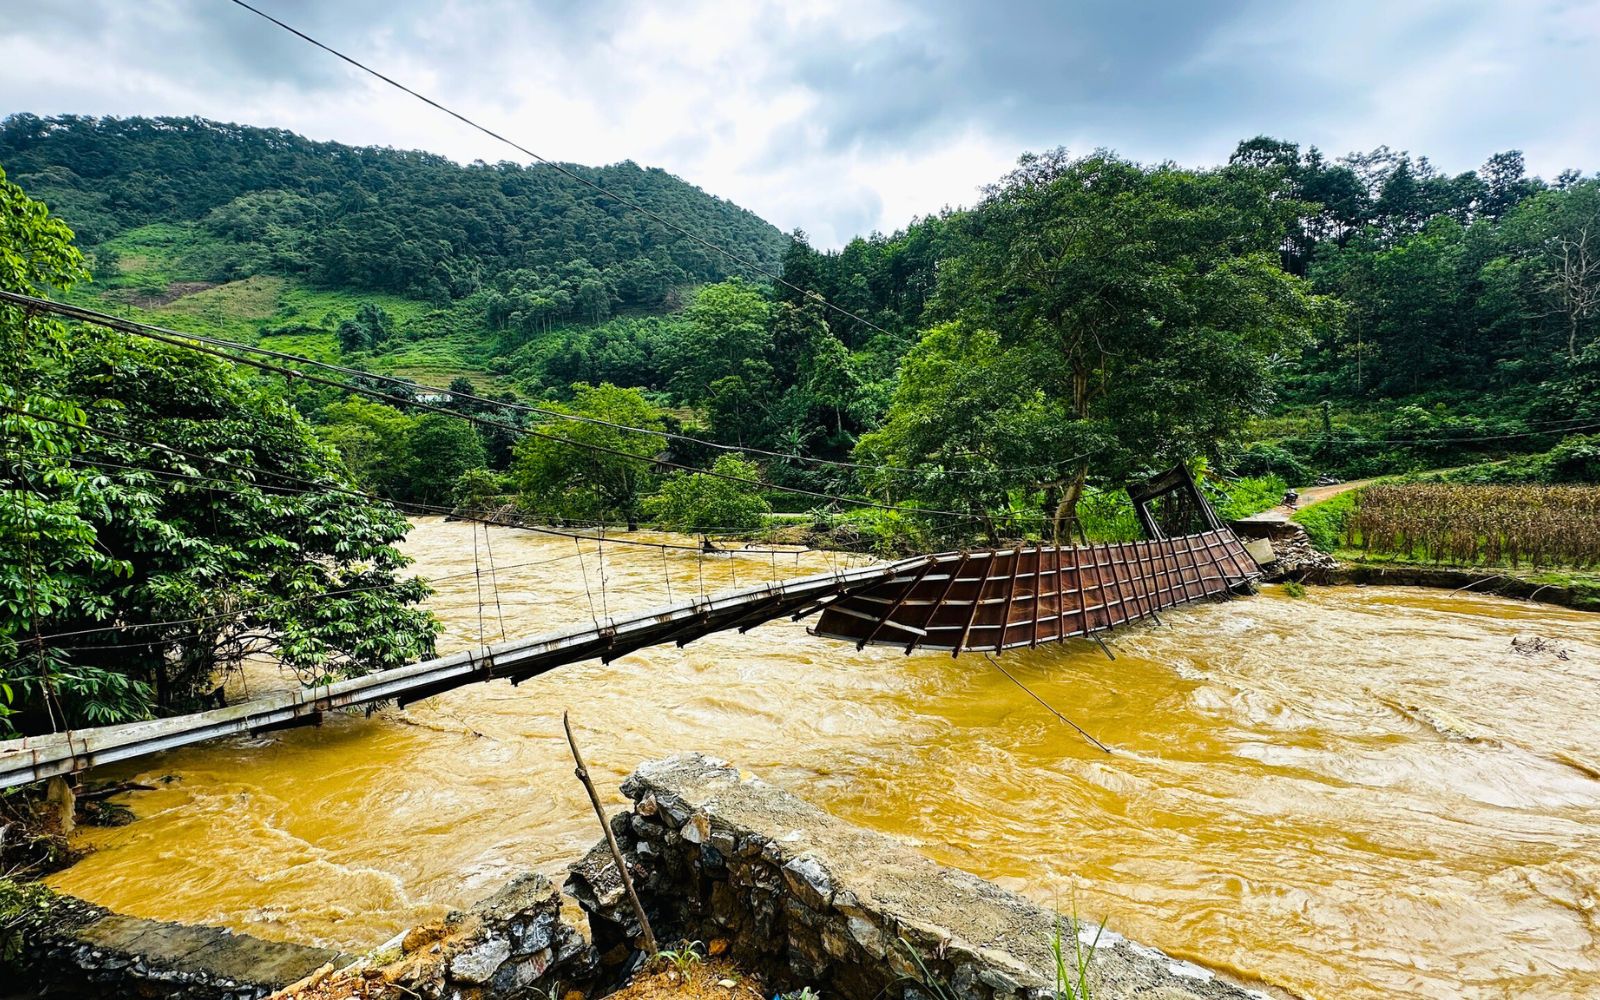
x: 695, y: 501
x: 480, y: 489
x: 1575, y: 460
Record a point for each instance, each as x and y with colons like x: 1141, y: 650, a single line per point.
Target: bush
x: 1244, y: 497
x: 695, y: 501
x: 480, y: 489
x: 1575, y: 460
x: 1272, y: 460
x: 1327, y: 522
x: 892, y: 533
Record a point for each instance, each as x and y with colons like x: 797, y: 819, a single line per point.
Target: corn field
x: 1491, y: 525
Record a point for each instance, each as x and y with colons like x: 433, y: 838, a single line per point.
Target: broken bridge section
x: 998, y: 599
x: 986, y: 600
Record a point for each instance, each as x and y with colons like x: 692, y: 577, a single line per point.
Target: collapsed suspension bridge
x: 982, y: 601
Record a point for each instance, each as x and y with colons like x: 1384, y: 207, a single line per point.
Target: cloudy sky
x: 842, y: 116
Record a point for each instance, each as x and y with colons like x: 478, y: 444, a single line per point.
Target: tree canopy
x: 156, y: 523
x: 603, y: 473
x: 543, y: 245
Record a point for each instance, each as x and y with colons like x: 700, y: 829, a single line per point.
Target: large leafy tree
x: 48, y: 547
x: 970, y: 427
x: 178, y: 535
x: 1155, y: 294
x: 442, y: 448
x: 695, y: 501
x: 722, y: 360
x: 374, y: 440
x: 590, y: 471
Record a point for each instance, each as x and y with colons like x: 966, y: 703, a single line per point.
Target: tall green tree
x: 722, y: 359
x: 1155, y: 292
x: 374, y: 440
x: 442, y: 449
x: 591, y: 471
x: 695, y: 501
x: 971, y: 427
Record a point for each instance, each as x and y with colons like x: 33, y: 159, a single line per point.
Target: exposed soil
x: 144, y: 300
x: 714, y: 979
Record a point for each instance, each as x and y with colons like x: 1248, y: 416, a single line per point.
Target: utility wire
x: 237, y: 485
x: 183, y: 341
x: 313, y: 488
x: 87, y: 315
x: 564, y: 170
x: 271, y: 605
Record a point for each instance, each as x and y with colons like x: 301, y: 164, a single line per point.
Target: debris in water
x: 1533, y: 645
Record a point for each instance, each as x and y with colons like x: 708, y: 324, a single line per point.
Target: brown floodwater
x: 1367, y: 792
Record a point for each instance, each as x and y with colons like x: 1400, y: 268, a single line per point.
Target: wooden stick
x: 616, y: 853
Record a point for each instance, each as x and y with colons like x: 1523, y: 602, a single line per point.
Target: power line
x: 565, y: 171
x: 236, y: 485
x: 1550, y: 432
x: 181, y: 340
x: 270, y: 605
x: 87, y: 315
x: 312, y: 488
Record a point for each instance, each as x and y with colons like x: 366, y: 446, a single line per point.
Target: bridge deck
x: 956, y: 601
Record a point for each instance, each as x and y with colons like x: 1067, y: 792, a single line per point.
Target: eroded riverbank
x: 1364, y: 793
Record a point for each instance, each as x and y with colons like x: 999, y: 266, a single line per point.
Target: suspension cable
x: 1048, y: 707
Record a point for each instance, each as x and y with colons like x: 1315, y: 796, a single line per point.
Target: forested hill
x: 414, y: 224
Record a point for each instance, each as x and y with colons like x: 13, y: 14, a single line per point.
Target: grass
x: 1073, y: 981
x: 433, y: 346
x: 682, y: 959
x: 1326, y: 522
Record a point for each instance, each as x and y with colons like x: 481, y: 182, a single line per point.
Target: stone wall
x: 79, y: 950
x: 518, y: 943
x: 805, y: 899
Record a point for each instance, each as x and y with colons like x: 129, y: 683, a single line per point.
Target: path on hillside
x: 1308, y: 496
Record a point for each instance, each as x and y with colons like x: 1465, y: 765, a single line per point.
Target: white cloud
x: 841, y: 117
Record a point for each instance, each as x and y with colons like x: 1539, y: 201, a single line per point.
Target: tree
x: 694, y: 501
x: 369, y: 330
x: 442, y: 449
x: 1407, y: 302
x: 727, y: 338
x: 48, y: 545
x: 590, y: 471
x: 1564, y: 228
x: 133, y: 571
x: 1155, y: 293
x: 971, y: 426
x: 374, y: 440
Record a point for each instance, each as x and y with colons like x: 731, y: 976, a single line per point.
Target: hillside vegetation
x: 987, y: 374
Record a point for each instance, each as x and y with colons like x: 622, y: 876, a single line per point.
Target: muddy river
x: 1367, y: 792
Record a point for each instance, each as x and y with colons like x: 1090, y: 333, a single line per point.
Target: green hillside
x: 248, y: 232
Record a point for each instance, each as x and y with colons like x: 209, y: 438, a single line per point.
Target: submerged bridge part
x: 999, y: 599
x: 957, y: 601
